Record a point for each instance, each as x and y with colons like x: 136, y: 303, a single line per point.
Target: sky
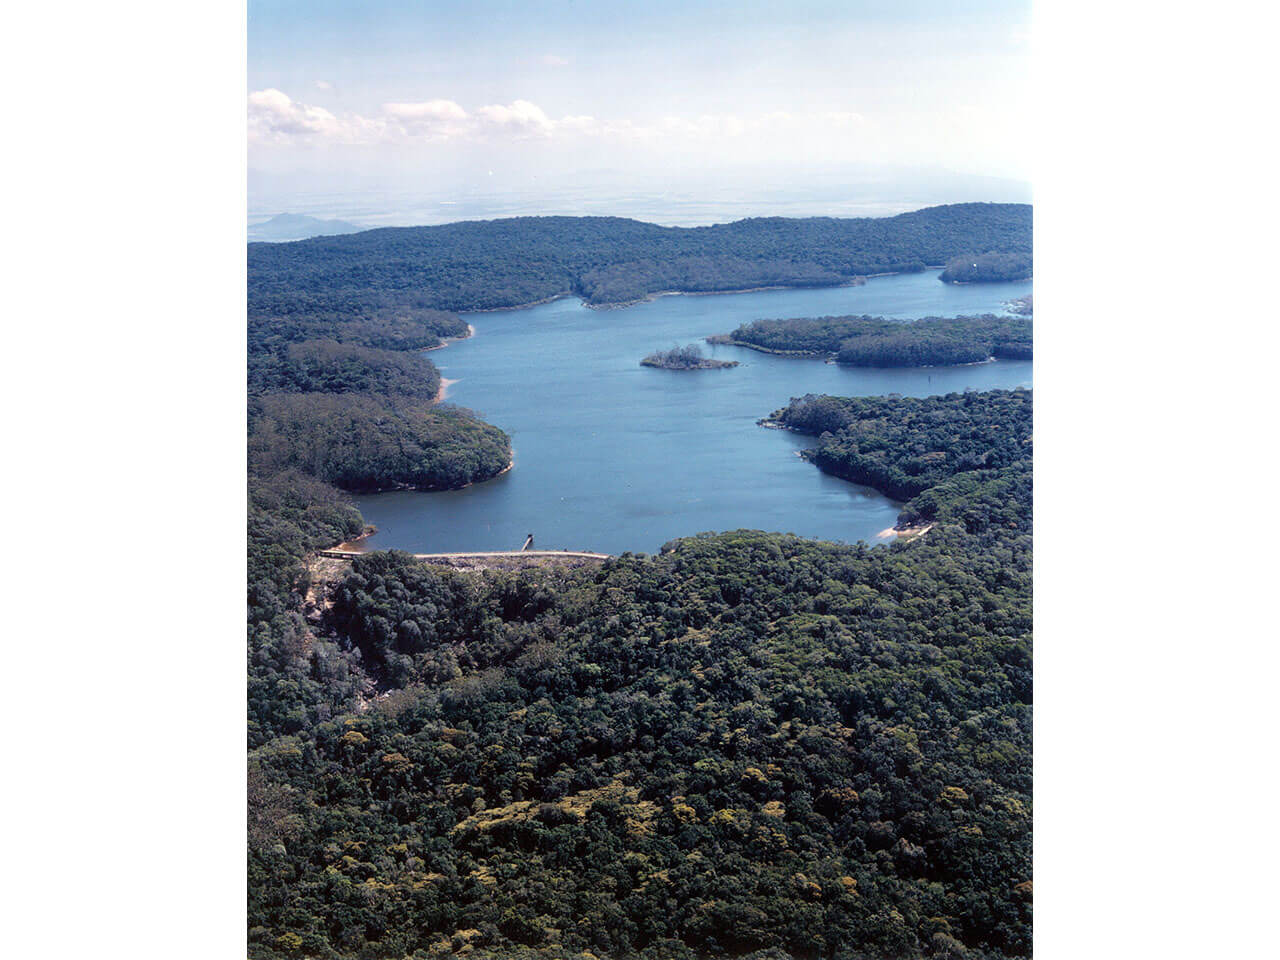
x: 545, y: 99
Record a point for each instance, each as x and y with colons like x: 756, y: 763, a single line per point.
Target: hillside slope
x: 607, y: 260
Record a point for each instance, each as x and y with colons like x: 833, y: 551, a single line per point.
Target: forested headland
x: 964, y: 457
x: 987, y: 267
x: 364, y: 443
x: 370, y: 323
x: 349, y: 398
x: 485, y: 265
x: 864, y: 341
x: 327, y: 366
x: 688, y: 357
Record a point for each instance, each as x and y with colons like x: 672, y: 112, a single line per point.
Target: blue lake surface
x: 612, y: 456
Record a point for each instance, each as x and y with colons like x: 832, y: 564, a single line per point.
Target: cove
x: 611, y: 456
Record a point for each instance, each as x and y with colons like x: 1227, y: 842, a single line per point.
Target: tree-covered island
x: 688, y: 357
x: 864, y: 341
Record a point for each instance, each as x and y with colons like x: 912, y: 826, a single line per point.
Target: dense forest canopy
x: 965, y: 457
x: 749, y: 741
x: 384, y: 328
x: 503, y: 263
x: 365, y: 443
x: 995, y: 265
x: 348, y: 399
x: 326, y: 366
x: 865, y: 341
x: 295, y: 679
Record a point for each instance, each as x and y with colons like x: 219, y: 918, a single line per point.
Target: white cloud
x: 551, y: 60
x: 426, y: 110
x: 578, y: 124
x: 520, y: 117
x: 274, y: 117
x: 426, y: 120
x: 323, y: 85
x: 840, y: 118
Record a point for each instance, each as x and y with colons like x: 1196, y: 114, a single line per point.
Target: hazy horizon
x: 386, y: 113
x: 370, y: 205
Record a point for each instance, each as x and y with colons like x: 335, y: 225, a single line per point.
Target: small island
x: 685, y: 358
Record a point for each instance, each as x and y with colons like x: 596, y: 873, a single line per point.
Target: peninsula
x: 879, y: 342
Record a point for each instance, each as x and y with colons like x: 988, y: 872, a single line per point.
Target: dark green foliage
x: 504, y: 263
x: 384, y: 328
x: 325, y: 366
x: 980, y: 500
x: 806, y: 336
x: 688, y: 357
x: 964, y: 457
x: 291, y: 514
x: 986, y: 267
x: 939, y: 342
x: 911, y: 443
x: 364, y: 443
x: 292, y: 680
x: 866, y: 341
x: 751, y: 741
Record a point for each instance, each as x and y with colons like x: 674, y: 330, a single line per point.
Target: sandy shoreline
x: 445, y: 341
x: 356, y: 543
x: 906, y: 533
x: 445, y: 384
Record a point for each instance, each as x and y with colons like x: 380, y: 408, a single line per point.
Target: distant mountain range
x: 296, y: 226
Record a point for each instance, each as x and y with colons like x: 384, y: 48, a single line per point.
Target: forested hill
x: 750, y: 742
x: 964, y: 458
x: 607, y: 260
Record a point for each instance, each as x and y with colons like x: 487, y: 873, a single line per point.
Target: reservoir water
x: 611, y: 456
